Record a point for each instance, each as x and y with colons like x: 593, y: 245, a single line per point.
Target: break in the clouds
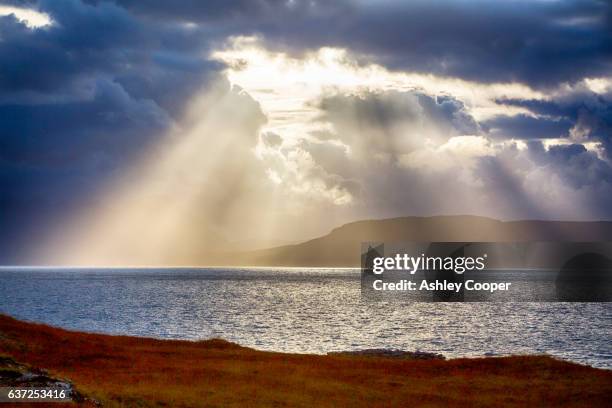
x: 280, y: 119
x: 538, y: 42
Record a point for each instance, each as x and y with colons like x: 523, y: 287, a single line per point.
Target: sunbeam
x: 200, y: 183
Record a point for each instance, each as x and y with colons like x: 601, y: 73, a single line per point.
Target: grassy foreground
x: 141, y: 372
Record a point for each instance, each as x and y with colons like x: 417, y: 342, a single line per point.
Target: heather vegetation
x: 121, y: 371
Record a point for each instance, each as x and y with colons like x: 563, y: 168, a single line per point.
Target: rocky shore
x: 19, y: 376
x: 391, y: 353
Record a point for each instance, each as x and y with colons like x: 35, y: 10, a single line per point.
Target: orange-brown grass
x: 141, y: 372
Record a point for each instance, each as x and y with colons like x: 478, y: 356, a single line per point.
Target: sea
x: 298, y: 310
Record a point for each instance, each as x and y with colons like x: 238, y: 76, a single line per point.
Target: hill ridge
x: 341, y: 246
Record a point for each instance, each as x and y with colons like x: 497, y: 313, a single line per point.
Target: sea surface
x: 298, y: 310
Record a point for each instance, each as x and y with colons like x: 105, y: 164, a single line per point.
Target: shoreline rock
x: 14, y: 374
x: 391, y: 353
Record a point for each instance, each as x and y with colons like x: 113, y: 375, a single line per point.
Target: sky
x: 141, y: 132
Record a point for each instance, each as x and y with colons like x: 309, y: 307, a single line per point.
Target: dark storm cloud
x: 80, y: 100
x: 541, y: 43
x: 589, y: 113
x: 81, y: 42
x: 153, y: 61
x: 528, y: 127
x: 110, y: 123
x: 577, y: 166
x: 259, y: 12
x: 570, y: 105
x: 190, y: 10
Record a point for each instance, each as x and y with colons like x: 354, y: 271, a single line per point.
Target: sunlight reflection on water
x: 298, y: 310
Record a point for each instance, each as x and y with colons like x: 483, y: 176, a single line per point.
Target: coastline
x: 134, y: 371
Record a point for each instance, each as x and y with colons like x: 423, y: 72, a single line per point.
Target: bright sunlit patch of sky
x: 288, y: 87
x: 599, y: 85
x: 32, y: 18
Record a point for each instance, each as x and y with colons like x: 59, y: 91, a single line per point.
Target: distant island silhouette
x: 341, y: 247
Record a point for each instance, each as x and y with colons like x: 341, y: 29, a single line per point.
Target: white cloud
x: 286, y: 86
x: 32, y: 18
